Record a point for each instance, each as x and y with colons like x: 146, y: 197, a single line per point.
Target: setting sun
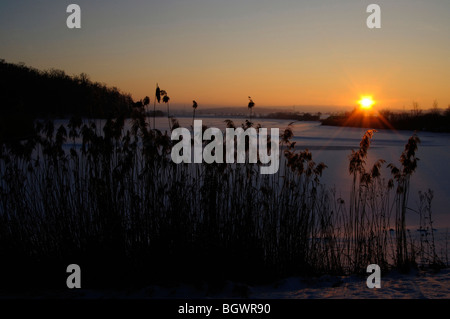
x: 366, y: 102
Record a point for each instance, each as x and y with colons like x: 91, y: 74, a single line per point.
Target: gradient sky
x: 218, y: 52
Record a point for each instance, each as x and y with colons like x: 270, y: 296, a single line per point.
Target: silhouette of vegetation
x: 106, y: 195
x: 166, y: 100
x: 434, y: 120
x: 157, y: 98
x: 110, y: 199
x: 194, y: 108
x: 54, y: 93
x: 27, y: 93
x: 251, y: 104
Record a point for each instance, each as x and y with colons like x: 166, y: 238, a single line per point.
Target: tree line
x: 434, y: 120
x: 27, y: 93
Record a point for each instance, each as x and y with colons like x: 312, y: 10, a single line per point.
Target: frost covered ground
x: 415, y: 285
x: 419, y: 285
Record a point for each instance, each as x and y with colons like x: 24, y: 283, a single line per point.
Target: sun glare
x: 366, y: 102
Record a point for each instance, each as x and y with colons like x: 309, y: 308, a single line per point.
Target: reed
x: 111, y: 199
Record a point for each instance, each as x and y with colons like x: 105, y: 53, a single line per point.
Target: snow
x: 415, y: 285
x: 419, y: 285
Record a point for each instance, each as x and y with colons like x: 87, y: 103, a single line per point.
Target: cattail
x: 230, y: 124
x: 251, y: 104
x: 287, y: 134
x: 157, y: 98
x: 194, y: 106
x: 166, y: 100
x: 146, y: 101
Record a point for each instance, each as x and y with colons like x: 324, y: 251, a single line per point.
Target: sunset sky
x: 218, y: 52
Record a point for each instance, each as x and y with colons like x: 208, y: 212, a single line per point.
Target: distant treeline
x: 293, y: 116
x: 433, y: 121
x: 27, y: 93
x: 54, y: 93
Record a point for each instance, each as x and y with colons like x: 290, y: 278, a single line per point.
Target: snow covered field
x: 415, y: 285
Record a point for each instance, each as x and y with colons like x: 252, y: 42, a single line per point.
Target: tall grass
x: 111, y: 200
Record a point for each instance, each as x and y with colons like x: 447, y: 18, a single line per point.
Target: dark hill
x: 27, y: 93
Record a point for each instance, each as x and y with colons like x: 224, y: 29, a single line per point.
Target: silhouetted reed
x: 110, y: 198
x: 194, y: 107
x: 251, y: 104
